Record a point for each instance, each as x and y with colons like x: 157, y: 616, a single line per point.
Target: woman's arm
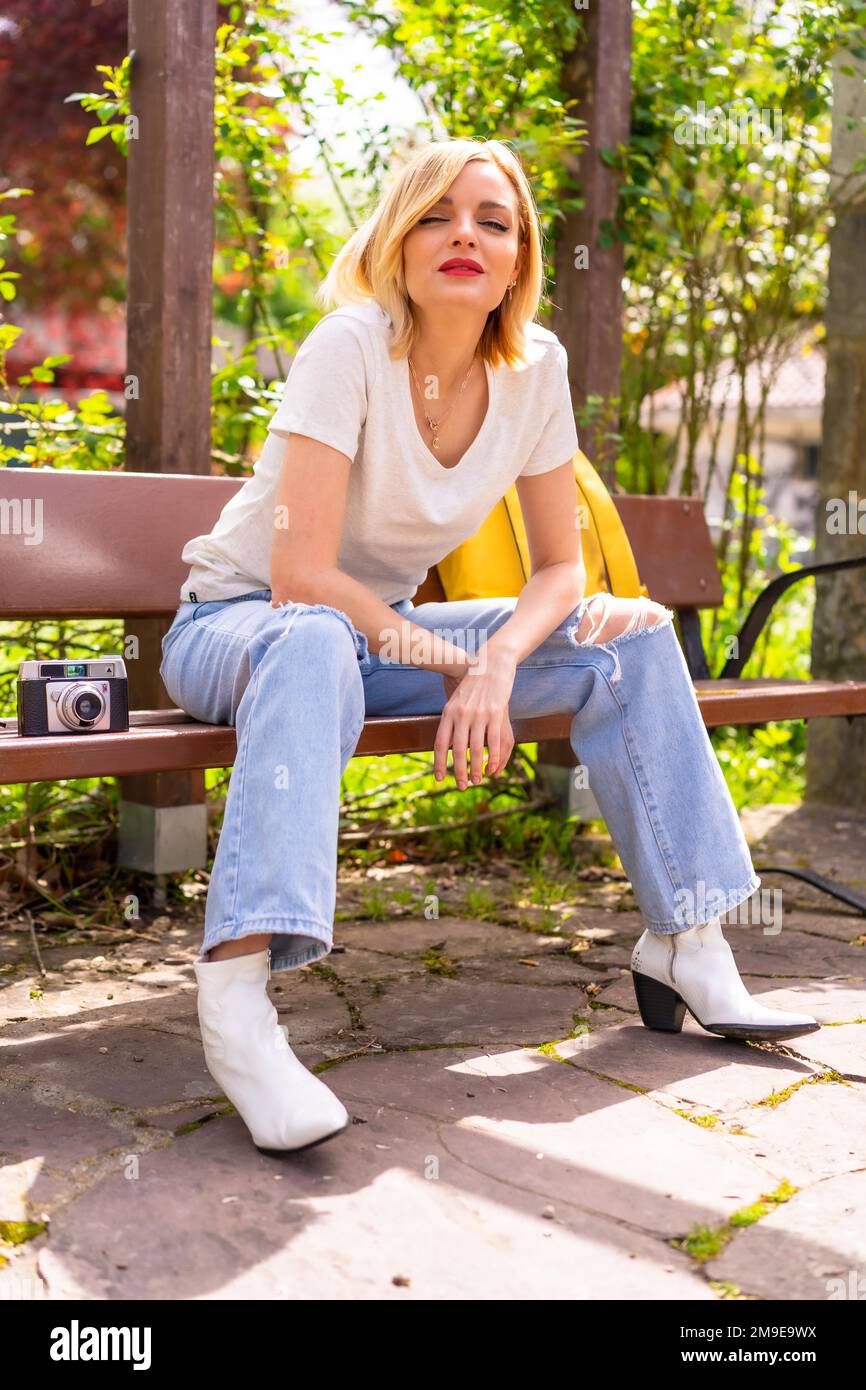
x: 548, y: 503
x: 309, y: 510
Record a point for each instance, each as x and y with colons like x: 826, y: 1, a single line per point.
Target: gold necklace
x: 435, y: 425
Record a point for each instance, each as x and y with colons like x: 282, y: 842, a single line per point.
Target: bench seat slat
x: 169, y: 740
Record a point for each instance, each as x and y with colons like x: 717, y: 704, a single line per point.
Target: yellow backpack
x: 494, y: 563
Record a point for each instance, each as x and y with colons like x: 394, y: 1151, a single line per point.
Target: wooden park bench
x: 110, y: 547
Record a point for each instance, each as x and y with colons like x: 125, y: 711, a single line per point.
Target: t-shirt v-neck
x: 404, y: 511
x: 404, y: 375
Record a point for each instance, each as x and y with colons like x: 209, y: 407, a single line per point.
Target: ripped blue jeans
x: 298, y: 680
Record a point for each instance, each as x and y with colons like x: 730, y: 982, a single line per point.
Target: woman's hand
x: 476, y: 714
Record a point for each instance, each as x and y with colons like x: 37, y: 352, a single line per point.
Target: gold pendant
x: 435, y: 441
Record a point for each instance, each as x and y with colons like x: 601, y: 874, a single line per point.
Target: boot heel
x: 660, y: 1006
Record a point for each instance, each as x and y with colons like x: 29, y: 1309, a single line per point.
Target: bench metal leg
x: 846, y: 895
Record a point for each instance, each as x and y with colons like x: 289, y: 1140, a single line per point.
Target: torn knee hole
x: 607, y: 617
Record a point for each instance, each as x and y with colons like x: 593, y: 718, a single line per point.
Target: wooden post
x: 587, y: 316
x: 163, y: 822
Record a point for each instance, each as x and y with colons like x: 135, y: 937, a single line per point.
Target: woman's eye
x: 491, y: 222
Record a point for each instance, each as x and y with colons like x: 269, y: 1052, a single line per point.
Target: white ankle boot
x: 247, y: 1052
x: 695, y: 970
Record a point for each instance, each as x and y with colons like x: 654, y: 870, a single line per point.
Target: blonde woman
x: 408, y: 412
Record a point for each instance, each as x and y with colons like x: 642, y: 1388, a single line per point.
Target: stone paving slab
x: 818, y: 1132
x: 822, y: 917
x: 842, y: 1047
x: 64, y: 1128
x: 342, y: 1222
x: 716, y: 1075
x: 793, y: 953
x: 459, y: 936
x: 517, y: 1132
x: 547, y: 960
x: 449, y: 1012
x: 317, y: 1012
x: 812, y: 1247
x: 134, y: 1067
x: 460, y: 939
x: 558, y: 1129
x: 105, y: 977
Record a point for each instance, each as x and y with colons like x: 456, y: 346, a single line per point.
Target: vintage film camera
x: 73, y: 697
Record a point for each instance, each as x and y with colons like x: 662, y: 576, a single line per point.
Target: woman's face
x: 476, y: 221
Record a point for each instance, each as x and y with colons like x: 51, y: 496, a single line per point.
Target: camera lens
x: 80, y: 706
x: 87, y: 707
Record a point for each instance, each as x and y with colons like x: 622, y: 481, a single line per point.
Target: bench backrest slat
x: 110, y: 542
x: 673, y: 549
x: 96, y: 544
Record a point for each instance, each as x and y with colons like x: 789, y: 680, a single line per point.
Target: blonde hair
x: 370, y: 264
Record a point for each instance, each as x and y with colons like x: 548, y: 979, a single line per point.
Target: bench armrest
x: 764, y: 604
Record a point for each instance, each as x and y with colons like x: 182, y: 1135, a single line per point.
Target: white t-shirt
x: 404, y: 511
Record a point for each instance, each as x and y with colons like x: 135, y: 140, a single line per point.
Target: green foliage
x: 57, y: 435
x: 725, y: 243
x: 774, y: 548
x: 110, y: 106
x: 492, y: 71
x: 762, y: 764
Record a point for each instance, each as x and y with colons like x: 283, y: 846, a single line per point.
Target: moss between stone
x: 777, y: 1097
x: 17, y: 1232
x: 707, y: 1242
x: 705, y: 1121
x: 729, y: 1291
x: 190, y: 1125
x: 326, y: 972
x: 435, y: 960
